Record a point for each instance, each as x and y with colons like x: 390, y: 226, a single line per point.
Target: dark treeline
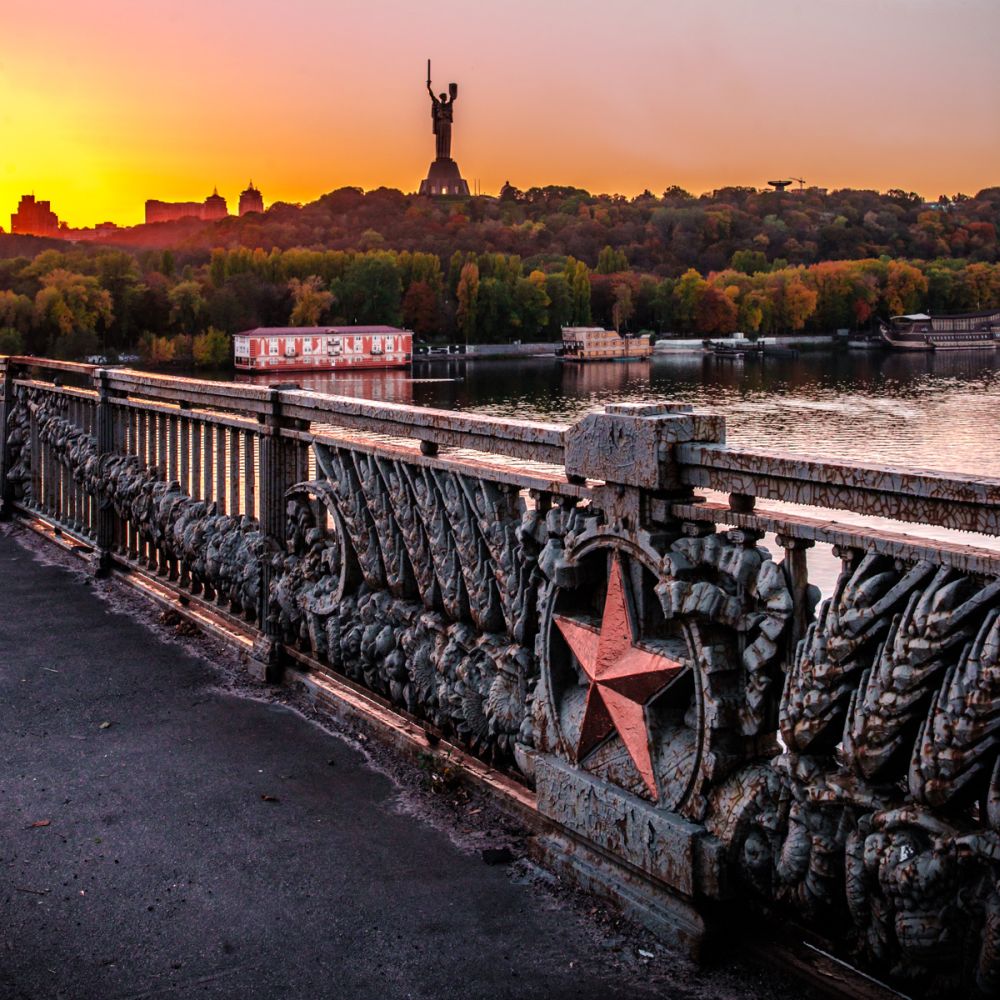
x: 661, y: 236
x: 737, y: 260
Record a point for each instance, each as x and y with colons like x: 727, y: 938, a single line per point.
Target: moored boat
x: 736, y: 346
x: 593, y: 343
x: 959, y: 332
x: 321, y: 348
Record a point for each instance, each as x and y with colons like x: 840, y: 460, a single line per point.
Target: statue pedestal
x: 444, y: 178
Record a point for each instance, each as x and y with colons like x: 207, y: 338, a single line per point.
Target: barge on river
x: 321, y: 348
x: 593, y: 343
x: 961, y: 332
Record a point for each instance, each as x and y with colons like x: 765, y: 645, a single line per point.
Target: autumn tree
x: 70, y: 308
x: 16, y: 311
x: 687, y: 292
x: 578, y: 278
x: 623, y: 308
x: 715, y: 311
x: 793, y: 302
x: 420, y: 309
x: 310, y: 300
x: 467, y: 295
x: 212, y: 349
x: 905, y: 288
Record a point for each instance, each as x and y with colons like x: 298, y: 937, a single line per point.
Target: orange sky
x: 109, y: 102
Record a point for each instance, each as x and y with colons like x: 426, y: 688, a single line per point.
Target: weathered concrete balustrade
x: 700, y: 733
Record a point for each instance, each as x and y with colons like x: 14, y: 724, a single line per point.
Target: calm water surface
x: 935, y: 411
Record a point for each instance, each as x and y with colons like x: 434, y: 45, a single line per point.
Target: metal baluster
x: 220, y: 468
x: 234, y: 471
x: 249, y: 442
x: 209, y: 461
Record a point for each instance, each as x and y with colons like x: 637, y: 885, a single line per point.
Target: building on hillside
x: 251, y: 200
x: 172, y: 211
x: 213, y: 207
x: 34, y: 218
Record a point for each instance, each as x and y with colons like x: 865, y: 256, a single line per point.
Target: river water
x: 933, y: 411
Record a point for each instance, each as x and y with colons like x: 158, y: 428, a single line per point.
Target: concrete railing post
x: 266, y: 662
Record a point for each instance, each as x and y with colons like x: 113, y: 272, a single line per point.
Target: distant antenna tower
x: 779, y: 186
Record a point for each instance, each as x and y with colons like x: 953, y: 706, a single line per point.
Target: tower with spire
x: 215, y: 206
x: 251, y: 200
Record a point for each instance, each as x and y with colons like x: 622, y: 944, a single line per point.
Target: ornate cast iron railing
x: 560, y: 601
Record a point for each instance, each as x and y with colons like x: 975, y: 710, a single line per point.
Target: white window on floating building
x: 272, y: 346
x: 359, y: 345
x: 307, y: 345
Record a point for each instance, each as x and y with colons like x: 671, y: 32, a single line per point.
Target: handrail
x: 947, y: 500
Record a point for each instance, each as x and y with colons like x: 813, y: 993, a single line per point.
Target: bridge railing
x: 837, y: 759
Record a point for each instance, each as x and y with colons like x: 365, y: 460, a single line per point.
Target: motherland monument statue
x: 444, y: 177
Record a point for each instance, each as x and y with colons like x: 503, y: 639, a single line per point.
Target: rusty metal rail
x: 562, y: 604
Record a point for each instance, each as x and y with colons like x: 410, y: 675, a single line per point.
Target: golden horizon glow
x: 118, y: 101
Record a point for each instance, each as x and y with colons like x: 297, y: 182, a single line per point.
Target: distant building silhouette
x: 213, y: 207
x: 251, y: 200
x: 34, y: 218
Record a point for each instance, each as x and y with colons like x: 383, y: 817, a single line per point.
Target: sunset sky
x: 110, y: 102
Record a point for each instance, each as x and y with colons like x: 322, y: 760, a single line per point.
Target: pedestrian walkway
x: 160, y: 837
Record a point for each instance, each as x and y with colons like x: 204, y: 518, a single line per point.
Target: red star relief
x: 622, y: 676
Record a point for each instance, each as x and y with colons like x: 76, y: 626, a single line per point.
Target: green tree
x: 371, y: 291
x: 118, y: 273
x: 611, y: 261
x: 749, y: 261
x: 560, y: 312
x: 212, y: 349
x: 11, y: 340
x: 69, y: 309
x: 187, y: 306
x: 531, y: 305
